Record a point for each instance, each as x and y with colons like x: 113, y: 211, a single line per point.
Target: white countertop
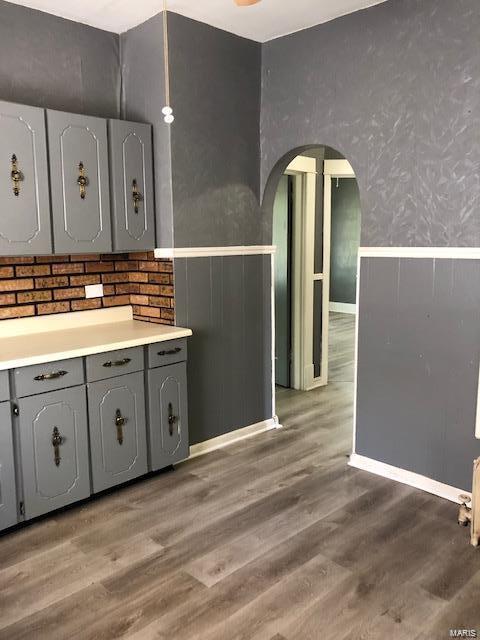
x: 46, y: 339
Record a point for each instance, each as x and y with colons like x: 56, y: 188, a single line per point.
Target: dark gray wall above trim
x: 418, y: 355
x: 50, y: 62
x: 396, y: 89
x: 226, y: 300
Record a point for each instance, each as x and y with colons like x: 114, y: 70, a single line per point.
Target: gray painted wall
x: 210, y: 177
x: 226, y: 301
x: 419, y: 349
x: 396, y: 89
x: 47, y: 61
x: 345, y: 234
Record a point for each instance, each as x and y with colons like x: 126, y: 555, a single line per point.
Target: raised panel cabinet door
x: 131, y: 175
x: 8, y: 494
x: 54, y: 450
x: 79, y: 178
x: 118, y: 437
x: 24, y: 192
x: 168, y: 415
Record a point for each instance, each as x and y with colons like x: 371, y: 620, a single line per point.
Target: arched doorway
x: 313, y: 198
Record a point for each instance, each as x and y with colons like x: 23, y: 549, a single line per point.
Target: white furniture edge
x: 227, y: 439
x: 208, y: 252
x: 342, y: 307
x: 407, y: 477
x: 462, y: 253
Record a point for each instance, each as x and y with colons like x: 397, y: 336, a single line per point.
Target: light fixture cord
x: 165, y: 54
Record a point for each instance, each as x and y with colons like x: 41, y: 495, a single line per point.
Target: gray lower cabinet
x: 118, y: 438
x: 8, y: 494
x: 168, y: 415
x: 54, y: 450
x: 24, y: 189
x: 80, y: 188
x: 131, y: 175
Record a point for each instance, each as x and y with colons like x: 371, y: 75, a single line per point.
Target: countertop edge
x: 52, y: 356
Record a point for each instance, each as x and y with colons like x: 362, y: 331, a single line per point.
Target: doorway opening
x: 316, y: 230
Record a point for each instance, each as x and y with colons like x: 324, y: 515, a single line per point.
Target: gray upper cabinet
x: 131, y: 175
x: 118, y: 437
x: 79, y: 178
x: 25, y: 220
x: 8, y: 498
x: 168, y: 415
x: 54, y: 450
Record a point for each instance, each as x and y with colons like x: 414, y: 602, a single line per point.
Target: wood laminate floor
x: 274, y: 538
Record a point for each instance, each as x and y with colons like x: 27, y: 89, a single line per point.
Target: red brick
x: 116, y: 301
x: 122, y: 289
x: 68, y: 267
x: 140, y: 300
x: 156, y: 301
x: 87, y: 257
x: 165, y: 267
x: 83, y: 305
x: 76, y: 281
x: 7, y: 298
x: 33, y: 270
x: 138, y: 277
x: 159, y: 278
x: 150, y: 289
x: 139, y: 255
x: 34, y: 296
x: 51, y: 259
x: 149, y: 312
x: 126, y: 265
x: 51, y: 283
x: 168, y: 314
x: 17, y: 312
x: 21, y: 260
x: 67, y: 294
x: 6, y: 272
x: 110, y: 278
x: 53, y: 307
x: 98, y: 267
x: 16, y: 285
x: 110, y: 290
x: 150, y: 265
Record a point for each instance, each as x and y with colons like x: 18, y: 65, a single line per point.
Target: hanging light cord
x: 167, y: 109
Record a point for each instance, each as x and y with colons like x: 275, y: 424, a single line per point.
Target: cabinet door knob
x: 57, y: 440
x: 16, y: 176
x: 136, y: 196
x: 172, y: 419
x: 117, y: 363
x: 50, y: 376
x: 82, y: 181
x: 119, y: 423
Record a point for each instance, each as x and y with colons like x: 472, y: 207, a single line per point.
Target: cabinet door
x: 54, y: 450
x: 132, y: 185
x: 168, y: 415
x: 8, y: 495
x: 25, y: 219
x: 79, y: 183
x: 118, y: 438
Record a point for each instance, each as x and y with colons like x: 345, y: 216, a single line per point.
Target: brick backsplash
x: 42, y: 285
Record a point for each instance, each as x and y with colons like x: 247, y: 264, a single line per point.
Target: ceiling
x: 265, y: 21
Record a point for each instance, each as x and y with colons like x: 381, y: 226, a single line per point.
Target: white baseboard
x: 234, y: 436
x: 407, y: 477
x: 343, y: 307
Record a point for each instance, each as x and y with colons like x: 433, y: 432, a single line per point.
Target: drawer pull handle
x: 50, y: 376
x: 117, y: 363
x: 136, y: 196
x: 119, y: 423
x: 82, y: 181
x: 57, y: 440
x: 16, y: 176
x: 170, y: 352
x: 172, y: 418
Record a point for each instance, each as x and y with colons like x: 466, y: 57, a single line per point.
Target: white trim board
x: 233, y: 436
x: 459, y: 253
x: 342, y: 307
x: 407, y: 477
x: 206, y: 252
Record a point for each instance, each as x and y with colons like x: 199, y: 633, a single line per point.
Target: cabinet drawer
x: 163, y: 353
x: 54, y: 450
x: 8, y: 494
x: 4, y: 386
x: 114, y: 363
x: 168, y: 415
x: 46, y: 377
x: 118, y: 436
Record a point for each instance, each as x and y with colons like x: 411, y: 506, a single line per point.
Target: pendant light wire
x: 166, y: 54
